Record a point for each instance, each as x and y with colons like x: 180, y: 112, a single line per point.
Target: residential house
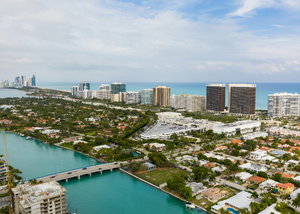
x: 258, y: 155
x: 243, y: 176
x: 256, y: 179
x: 97, y: 148
x: 268, y: 183
x: 196, y: 187
x: 285, y: 189
x: 214, y: 194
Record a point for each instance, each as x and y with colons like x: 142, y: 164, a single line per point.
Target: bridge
x: 77, y: 173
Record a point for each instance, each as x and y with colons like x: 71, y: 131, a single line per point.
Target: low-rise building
x: 240, y: 200
x: 270, y: 209
x: 268, y: 183
x: 258, y: 155
x: 196, y: 187
x: 285, y: 189
x: 254, y: 135
x: 243, y: 176
x: 47, y: 197
x: 97, y: 148
x: 294, y: 194
x: 237, y: 127
x: 256, y: 179
x: 214, y: 194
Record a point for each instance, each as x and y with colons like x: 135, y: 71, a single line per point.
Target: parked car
x: 84, y: 168
x: 115, y: 163
x: 100, y: 169
x: 52, y: 176
x: 69, y: 173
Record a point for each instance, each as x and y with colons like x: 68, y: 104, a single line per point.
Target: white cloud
x: 248, y: 7
x: 102, y: 41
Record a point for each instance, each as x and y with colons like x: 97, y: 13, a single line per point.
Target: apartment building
x: 49, y: 197
x: 241, y: 98
x: 133, y: 97
x: 191, y: 103
x: 3, y: 170
x: 74, y: 90
x: 215, y: 97
x: 283, y: 104
x: 161, y: 96
x: 102, y: 94
x: 147, y: 97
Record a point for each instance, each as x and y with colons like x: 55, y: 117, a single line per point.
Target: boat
x: 22, y: 135
x: 190, y: 205
x: 28, y: 138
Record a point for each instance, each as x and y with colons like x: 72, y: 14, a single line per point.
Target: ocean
x: 262, y: 89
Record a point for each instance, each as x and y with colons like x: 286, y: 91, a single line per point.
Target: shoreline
x: 150, y: 184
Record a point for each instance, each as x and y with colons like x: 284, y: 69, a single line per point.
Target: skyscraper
x: 147, y: 97
x: 241, y: 98
x: 283, y: 104
x: 33, y: 80
x: 161, y: 96
x: 117, y: 87
x: 74, y: 90
x: 83, y: 85
x: 215, y: 97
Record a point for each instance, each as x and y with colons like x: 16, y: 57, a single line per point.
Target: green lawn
x: 161, y: 175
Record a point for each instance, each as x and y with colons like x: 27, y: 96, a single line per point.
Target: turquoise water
x: 262, y: 89
x: 112, y: 192
x: 136, y: 154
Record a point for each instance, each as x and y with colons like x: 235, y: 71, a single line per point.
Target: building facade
x: 283, y: 104
x: 147, y: 97
x: 84, y: 85
x: 104, y: 87
x: 188, y: 102
x: 215, y: 97
x: 241, y: 98
x: 117, y: 87
x: 161, y: 96
x: 102, y: 94
x: 74, y: 90
x: 49, y: 197
x: 133, y: 97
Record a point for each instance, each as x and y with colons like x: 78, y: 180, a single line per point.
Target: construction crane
x: 9, y: 183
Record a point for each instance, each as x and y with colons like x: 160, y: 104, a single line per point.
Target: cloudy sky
x: 151, y: 40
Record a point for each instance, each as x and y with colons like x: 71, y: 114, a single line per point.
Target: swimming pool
x: 233, y: 211
x: 135, y: 154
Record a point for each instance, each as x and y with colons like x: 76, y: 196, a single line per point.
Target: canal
x: 112, y: 192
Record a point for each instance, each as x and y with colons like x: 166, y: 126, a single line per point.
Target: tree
x: 244, y: 210
x: 187, y: 193
x: 157, y: 158
x: 201, y: 172
x: 262, y: 174
x: 177, y: 183
x: 235, y: 152
x: 287, y: 157
x: 277, y: 177
x: 296, y: 201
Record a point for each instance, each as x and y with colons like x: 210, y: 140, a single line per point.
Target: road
x: 4, y: 202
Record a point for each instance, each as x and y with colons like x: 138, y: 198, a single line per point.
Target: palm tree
x: 296, y: 202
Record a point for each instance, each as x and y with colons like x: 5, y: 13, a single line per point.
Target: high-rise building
x: 133, y: 97
x: 102, y: 94
x: 283, y: 104
x: 83, y: 85
x: 117, y: 87
x: 241, y: 98
x: 215, y: 97
x: 161, y: 96
x: 147, y: 97
x: 22, y: 79
x: 104, y: 87
x: 188, y: 102
x: 3, y: 170
x: 33, y: 80
x: 74, y: 90
x: 48, y: 197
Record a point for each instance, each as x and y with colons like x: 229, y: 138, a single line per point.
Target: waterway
x: 112, y: 192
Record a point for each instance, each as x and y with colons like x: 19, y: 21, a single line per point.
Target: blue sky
x: 151, y: 41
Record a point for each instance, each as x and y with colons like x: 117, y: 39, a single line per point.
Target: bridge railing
x: 67, y: 171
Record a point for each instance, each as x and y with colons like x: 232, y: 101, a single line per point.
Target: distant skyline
x: 151, y: 41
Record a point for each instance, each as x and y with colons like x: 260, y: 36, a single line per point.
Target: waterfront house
x: 285, y: 189
x: 214, y: 194
x: 97, y: 148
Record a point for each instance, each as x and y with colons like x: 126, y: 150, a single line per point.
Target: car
x: 251, y: 188
x: 52, y: 176
x: 115, y: 163
x: 171, y: 156
x: 100, y: 169
x: 179, y: 153
x: 84, y: 168
x: 185, y: 169
x: 289, y: 198
x: 69, y: 173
